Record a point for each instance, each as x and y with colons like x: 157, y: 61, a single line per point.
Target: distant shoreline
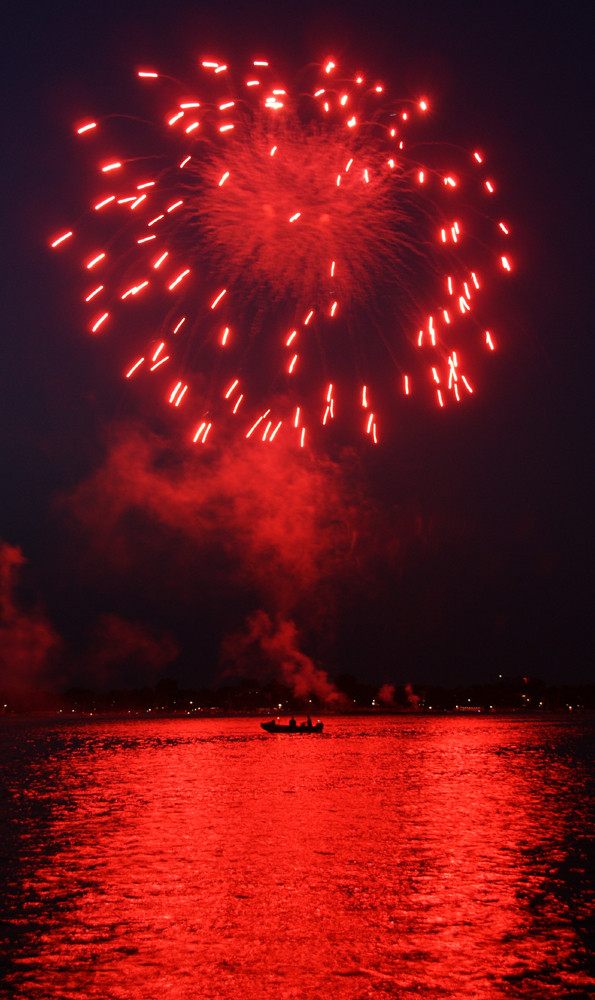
x: 148, y: 715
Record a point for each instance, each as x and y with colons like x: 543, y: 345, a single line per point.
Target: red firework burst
x: 297, y: 258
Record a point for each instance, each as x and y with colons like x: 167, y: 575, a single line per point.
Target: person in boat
x: 309, y: 723
x: 292, y: 723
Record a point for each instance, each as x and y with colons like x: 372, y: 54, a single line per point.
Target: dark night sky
x: 473, y: 538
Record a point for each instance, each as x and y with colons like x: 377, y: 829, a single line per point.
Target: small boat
x: 277, y: 727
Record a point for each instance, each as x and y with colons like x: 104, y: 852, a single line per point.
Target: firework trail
x: 295, y: 259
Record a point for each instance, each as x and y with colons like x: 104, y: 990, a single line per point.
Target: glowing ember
x: 315, y: 214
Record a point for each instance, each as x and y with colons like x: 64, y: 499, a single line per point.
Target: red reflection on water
x: 386, y: 858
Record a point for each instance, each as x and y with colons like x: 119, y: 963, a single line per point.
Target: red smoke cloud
x: 412, y: 697
x: 267, y: 647
x: 118, y: 645
x: 386, y: 694
x: 252, y: 519
x: 260, y: 543
x: 27, y: 638
x: 284, y: 524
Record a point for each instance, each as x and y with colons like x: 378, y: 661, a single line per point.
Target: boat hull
x: 275, y: 727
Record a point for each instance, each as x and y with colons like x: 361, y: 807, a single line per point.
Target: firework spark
x: 297, y: 259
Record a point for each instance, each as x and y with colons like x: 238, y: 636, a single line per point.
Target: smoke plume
x: 27, y: 638
x: 266, y: 648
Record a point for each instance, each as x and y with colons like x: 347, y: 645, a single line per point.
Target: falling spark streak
x: 99, y: 322
x: 159, y: 363
x: 105, y: 201
x: 132, y: 370
x: 368, y: 218
x: 134, y: 290
x: 177, y: 280
x: 92, y: 263
x: 255, y: 425
x: 65, y: 236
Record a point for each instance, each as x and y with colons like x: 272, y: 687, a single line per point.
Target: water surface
x: 389, y: 857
